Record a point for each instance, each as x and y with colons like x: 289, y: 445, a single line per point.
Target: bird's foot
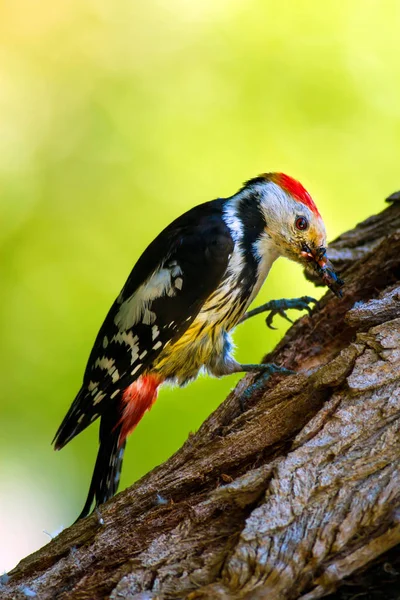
x: 265, y: 370
x: 279, y: 307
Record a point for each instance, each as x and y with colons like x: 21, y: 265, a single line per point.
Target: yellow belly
x: 204, y: 343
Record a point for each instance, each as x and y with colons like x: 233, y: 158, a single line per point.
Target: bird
x: 180, y: 304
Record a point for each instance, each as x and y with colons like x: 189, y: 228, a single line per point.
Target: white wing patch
x: 127, y: 337
x: 93, y: 385
x: 136, y: 368
x: 107, y: 364
x: 98, y: 398
x: 148, y: 317
x: 136, y: 308
x: 104, y: 363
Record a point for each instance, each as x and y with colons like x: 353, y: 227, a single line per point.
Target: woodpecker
x: 175, y: 314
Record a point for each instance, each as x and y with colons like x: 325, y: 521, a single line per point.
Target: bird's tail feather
x: 82, y: 412
x: 107, y: 470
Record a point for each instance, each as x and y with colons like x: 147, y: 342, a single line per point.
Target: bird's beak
x: 321, y: 264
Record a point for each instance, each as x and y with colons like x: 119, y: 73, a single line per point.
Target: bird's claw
x: 271, y: 316
x: 265, y: 370
x: 279, y: 307
x: 271, y: 369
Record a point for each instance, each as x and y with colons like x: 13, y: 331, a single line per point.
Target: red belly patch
x: 136, y: 399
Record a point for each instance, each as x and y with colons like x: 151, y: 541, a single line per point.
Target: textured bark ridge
x: 293, y: 498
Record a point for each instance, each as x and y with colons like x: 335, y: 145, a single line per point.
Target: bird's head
x: 293, y: 226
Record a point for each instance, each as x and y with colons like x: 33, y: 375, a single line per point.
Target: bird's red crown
x: 295, y: 189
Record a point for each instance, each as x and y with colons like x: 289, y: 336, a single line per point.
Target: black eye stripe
x: 301, y: 223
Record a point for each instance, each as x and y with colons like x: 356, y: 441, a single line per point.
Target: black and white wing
x: 163, y: 294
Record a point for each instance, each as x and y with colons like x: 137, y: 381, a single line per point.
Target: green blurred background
x: 115, y: 117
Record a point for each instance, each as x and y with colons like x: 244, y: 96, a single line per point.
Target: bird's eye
x: 301, y: 223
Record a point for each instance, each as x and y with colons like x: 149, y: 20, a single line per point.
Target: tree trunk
x: 288, y: 497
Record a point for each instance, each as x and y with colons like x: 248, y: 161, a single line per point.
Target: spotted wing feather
x: 163, y: 294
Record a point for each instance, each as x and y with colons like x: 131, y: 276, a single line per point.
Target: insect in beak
x: 324, y: 268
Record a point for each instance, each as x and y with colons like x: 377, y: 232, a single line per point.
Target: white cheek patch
x: 281, y: 211
x: 136, y: 308
x: 322, y: 231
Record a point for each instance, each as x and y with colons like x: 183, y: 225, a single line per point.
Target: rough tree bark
x: 291, y: 498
